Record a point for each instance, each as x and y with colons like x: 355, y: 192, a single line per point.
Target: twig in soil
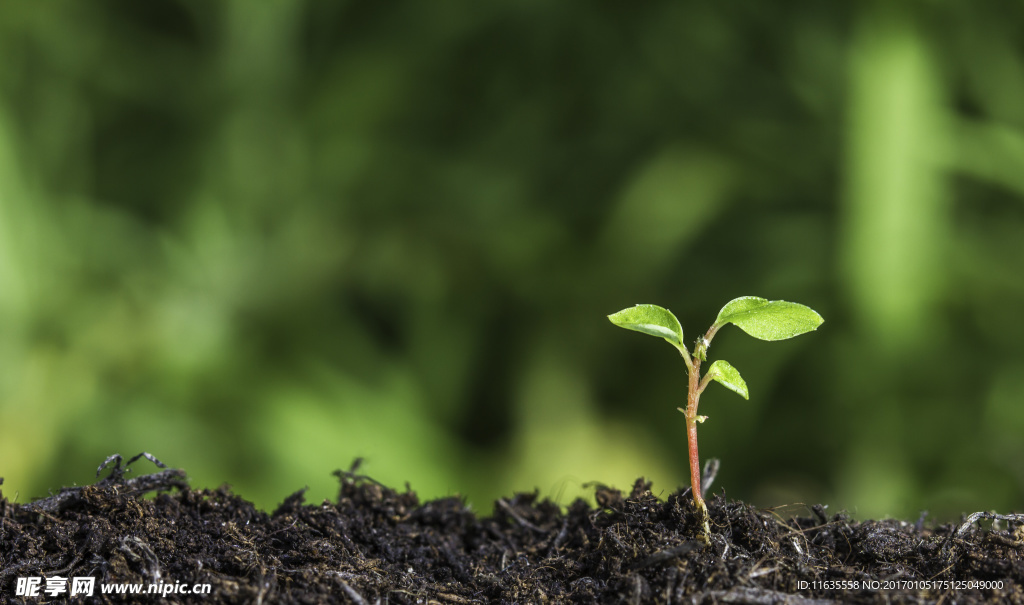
x: 563, y: 535
x: 512, y: 513
x: 117, y: 472
x: 710, y: 472
x: 70, y: 496
x: 351, y: 477
x: 983, y: 515
x: 668, y: 554
x: 352, y: 594
x: 971, y: 519
x: 946, y: 549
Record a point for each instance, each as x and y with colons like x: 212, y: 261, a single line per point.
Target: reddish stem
x: 691, y: 431
x: 691, y: 437
x: 696, y: 386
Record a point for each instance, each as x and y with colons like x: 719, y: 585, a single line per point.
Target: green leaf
x: 650, y: 319
x: 769, y: 319
x: 722, y: 371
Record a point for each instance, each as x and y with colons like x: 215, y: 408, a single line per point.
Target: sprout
x: 761, y: 318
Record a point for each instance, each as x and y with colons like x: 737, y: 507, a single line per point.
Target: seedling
x: 761, y: 318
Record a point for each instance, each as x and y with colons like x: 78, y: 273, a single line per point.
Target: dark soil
x: 376, y: 545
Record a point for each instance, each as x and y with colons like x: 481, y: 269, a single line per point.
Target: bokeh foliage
x: 261, y: 239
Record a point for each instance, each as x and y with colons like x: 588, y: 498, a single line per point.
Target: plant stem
x: 695, y: 388
x: 691, y: 438
x: 692, y: 399
x: 691, y: 431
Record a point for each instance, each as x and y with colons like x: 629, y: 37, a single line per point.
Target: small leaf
x: 723, y: 372
x: 769, y: 319
x: 650, y: 319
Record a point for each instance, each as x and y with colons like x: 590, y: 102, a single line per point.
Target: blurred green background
x: 261, y: 239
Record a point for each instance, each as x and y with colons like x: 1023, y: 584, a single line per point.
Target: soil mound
x: 378, y: 545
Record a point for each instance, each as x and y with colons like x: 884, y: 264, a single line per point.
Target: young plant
x: 761, y: 318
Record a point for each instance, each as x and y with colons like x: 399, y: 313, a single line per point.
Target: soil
x: 378, y: 545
